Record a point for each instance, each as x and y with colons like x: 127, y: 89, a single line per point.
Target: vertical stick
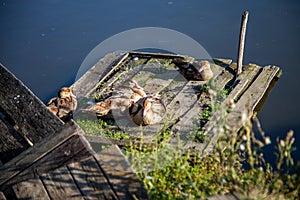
x: 242, y: 42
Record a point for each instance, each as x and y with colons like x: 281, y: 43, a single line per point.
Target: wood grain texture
x: 31, y: 189
x: 120, y: 174
x: 89, y: 80
x: 90, y: 180
x: 251, y: 97
x: 10, y: 142
x: 60, y: 185
x: 47, y: 155
x: 25, y: 109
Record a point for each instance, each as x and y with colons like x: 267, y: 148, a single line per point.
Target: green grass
x: 90, y: 127
x: 169, y: 173
x: 100, y: 127
x: 236, y: 163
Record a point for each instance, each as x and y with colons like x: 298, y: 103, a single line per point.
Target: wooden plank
x: 122, y: 74
x: 10, y: 144
x: 60, y: 184
x: 224, y: 77
x: 157, y: 55
x: 90, y: 180
x: 251, y: 97
x: 73, y: 150
x: 89, y: 80
x: 31, y: 189
x: 120, y: 174
x: 249, y: 74
x: 217, y: 120
x: 216, y: 117
x: 25, y: 109
x: 48, y: 154
x: 187, y: 121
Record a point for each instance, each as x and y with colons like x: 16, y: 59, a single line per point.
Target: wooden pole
x: 242, y: 42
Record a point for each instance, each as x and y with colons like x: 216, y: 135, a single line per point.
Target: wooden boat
x: 226, y: 98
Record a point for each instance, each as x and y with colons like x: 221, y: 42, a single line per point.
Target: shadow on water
x: 44, y: 43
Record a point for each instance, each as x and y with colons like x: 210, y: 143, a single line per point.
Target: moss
x: 90, y: 127
x: 101, y: 127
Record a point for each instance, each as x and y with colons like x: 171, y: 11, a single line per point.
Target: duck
x: 147, y: 110
x: 138, y: 92
x: 117, y: 104
x: 198, y: 71
x: 64, y: 104
x: 108, y: 107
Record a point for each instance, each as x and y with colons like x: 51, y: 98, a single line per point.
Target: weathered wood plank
x: 72, y: 150
x: 216, y: 117
x: 120, y: 174
x: 251, y: 97
x: 48, y: 154
x: 124, y: 71
x: 25, y: 109
x: 217, y: 120
x: 10, y: 143
x: 248, y: 75
x: 31, y: 189
x: 60, y: 184
x: 157, y: 55
x: 90, y: 180
x: 187, y: 121
x: 89, y: 80
x: 224, y: 77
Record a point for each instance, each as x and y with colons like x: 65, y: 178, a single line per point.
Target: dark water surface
x: 44, y: 42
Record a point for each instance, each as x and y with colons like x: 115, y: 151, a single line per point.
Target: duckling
x: 194, y: 71
x: 64, y: 104
x: 205, y: 70
x: 147, y: 110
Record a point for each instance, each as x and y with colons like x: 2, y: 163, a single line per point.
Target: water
x: 44, y: 43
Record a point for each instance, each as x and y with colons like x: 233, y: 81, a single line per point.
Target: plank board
x: 89, y: 80
x: 60, y: 185
x: 25, y: 109
x: 187, y: 125
x: 217, y: 120
x: 44, y: 156
x: 10, y: 142
x: 120, y: 174
x: 90, y: 180
x: 252, y: 96
x: 31, y: 189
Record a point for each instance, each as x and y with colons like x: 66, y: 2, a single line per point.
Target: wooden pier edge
x: 51, y: 148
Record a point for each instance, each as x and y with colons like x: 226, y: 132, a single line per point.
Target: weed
x: 169, y: 173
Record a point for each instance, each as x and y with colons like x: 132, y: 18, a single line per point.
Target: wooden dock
x: 44, y: 158
x: 185, y: 100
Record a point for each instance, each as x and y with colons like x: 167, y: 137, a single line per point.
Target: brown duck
x: 64, y: 104
x: 198, y: 71
x: 138, y: 92
x: 147, y: 110
x: 117, y: 105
